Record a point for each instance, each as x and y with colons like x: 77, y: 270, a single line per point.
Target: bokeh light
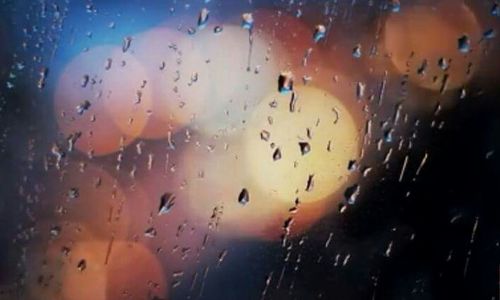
x: 423, y: 42
x: 100, y: 100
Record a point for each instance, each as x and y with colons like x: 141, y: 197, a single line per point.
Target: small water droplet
x: 351, y: 193
x: 243, y: 197
x: 150, y: 232
x: 108, y: 63
x: 82, y: 265
x: 277, y: 154
x: 443, y: 63
x: 489, y: 34
x: 310, y: 183
x: 167, y: 201
x: 126, y: 43
x: 495, y: 10
x: 319, y: 33
x: 351, y: 166
x: 55, y: 231
x: 265, y: 135
x: 285, y: 82
x: 82, y: 107
x: 464, y: 44
x: 305, y: 147
x: 44, y: 72
x: 218, y: 29
x: 73, y: 193
x: 356, y: 51
x: 203, y: 18
x: 247, y: 21
x: 85, y: 80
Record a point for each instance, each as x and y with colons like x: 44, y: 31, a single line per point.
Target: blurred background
x: 249, y: 149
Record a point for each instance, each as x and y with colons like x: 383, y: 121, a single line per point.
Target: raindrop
x: 150, y: 232
x: 495, y: 10
x: 443, y: 63
x: 85, y: 80
x: 218, y: 29
x: 285, y: 82
x: 489, y: 34
x: 395, y: 6
x: 319, y: 33
x: 351, y: 166
x: 247, y: 21
x: 73, y: 193
x: 351, y: 193
x: 126, y: 43
x: 356, y: 51
x: 203, y: 18
x: 293, y: 102
x: 388, y: 135
x: 82, y: 265
x: 108, y: 63
x: 82, y: 107
x: 464, y: 44
x: 360, y: 90
x: 265, y: 135
x: 243, y: 197
x: 167, y: 201
x: 310, y: 183
x: 305, y: 147
x: 55, y: 231
x: 43, y: 77
x: 277, y: 154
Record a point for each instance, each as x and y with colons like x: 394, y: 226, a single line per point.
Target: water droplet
x: 293, y: 102
x: 167, y: 201
x: 395, y: 6
x: 351, y: 193
x: 319, y: 33
x: 351, y: 166
x: 443, y: 63
x: 310, y: 183
x: 277, y: 154
x: 218, y: 29
x: 356, y: 51
x: 285, y: 82
x: 85, y: 80
x: 360, y: 90
x: 150, y: 232
x: 495, y: 10
x: 126, y: 43
x: 489, y: 34
x: 55, y: 231
x: 464, y: 44
x: 265, y: 135
x: 305, y: 147
x: 243, y: 197
x: 247, y: 21
x: 388, y: 135
x: 108, y: 63
x: 203, y: 18
x: 82, y: 265
x: 82, y: 107
x: 73, y: 193
x: 43, y: 77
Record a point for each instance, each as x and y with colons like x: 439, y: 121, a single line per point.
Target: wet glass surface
x: 216, y: 149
